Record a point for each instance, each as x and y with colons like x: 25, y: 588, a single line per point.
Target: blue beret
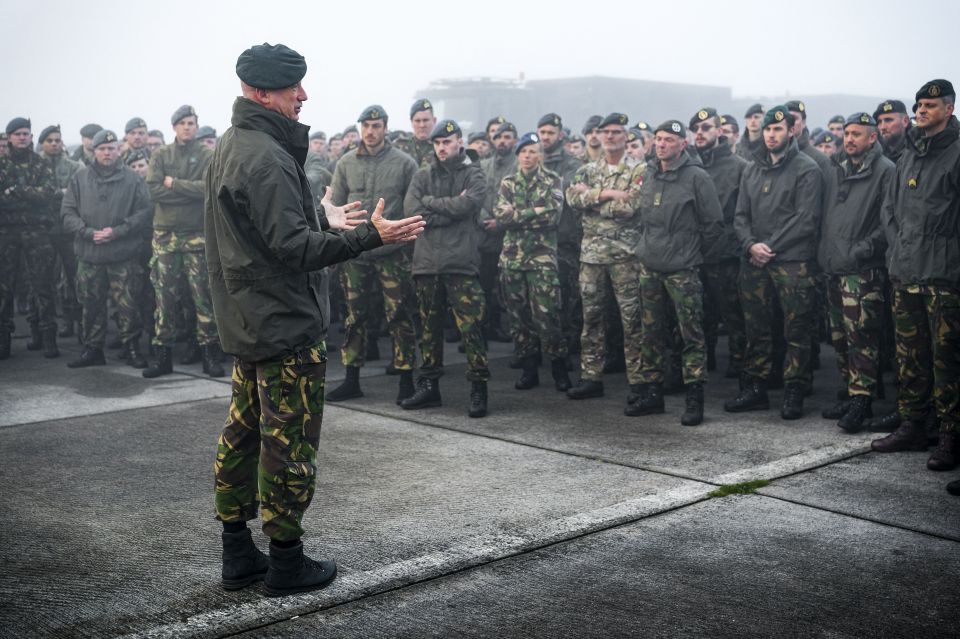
x: 185, y: 111
x: 373, y: 112
x: 104, y: 136
x: 53, y: 128
x: 90, y: 130
x: 271, y: 66
x: 206, y: 132
x: 135, y: 123
x: 526, y: 140
x: 17, y: 123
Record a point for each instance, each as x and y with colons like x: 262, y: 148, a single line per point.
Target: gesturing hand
x: 396, y: 231
x: 341, y: 218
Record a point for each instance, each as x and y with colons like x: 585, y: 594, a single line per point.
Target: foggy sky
x: 106, y: 61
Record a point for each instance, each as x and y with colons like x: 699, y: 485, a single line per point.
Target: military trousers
x: 99, y: 283
x: 571, y: 309
x: 267, y: 451
x: 175, y: 255
x: 465, y: 298
x: 598, y: 284
x: 721, y: 294
x: 789, y: 287
x: 32, y: 249
x: 399, y: 301
x: 532, y: 298
x: 856, y: 305
x: 65, y: 278
x: 927, y: 323
x: 680, y: 292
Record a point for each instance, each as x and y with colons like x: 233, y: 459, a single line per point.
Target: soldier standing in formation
x: 752, y: 143
x: 422, y: 121
x: 502, y: 163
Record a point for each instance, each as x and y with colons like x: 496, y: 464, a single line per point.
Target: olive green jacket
x: 179, y: 208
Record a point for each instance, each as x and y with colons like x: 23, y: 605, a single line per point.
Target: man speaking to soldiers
x: 266, y: 248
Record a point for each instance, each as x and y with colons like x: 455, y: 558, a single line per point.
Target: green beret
x: 373, y: 112
x: 135, y: 123
x: 503, y: 128
x: 862, y: 118
x: 551, y: 119
x: 797, y: 106
x: 90, y: 130
x: 53, y: 128
x: 672, y: 126
x: 185, y: 111
x: 206, y: 132
x: 754, y: 109
x: 732, y: 121
x: 445, y: 128
x: 702, y: 115
x: 271, y: 66
x: 16, y: 124
x: 614, y: 118
x: 778, y: 114
x: 420, y: 105
x: 104, y: 136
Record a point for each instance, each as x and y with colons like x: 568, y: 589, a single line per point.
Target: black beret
x: 185, y: 111
x: 732, y: 121
x: 476, y: 135
x: 17, y: 123
x: 351, y: 129
x: 136, y: 155
x: 672, y: 126
x: 753, y: 110
x: 703, y: 114
x: 642, y: 126
x: 134, y: 123
x: 420, y: 105
x: 934, y: 89
x: 504, y: 128
x: 318, y: 135
x: 373, y: 112
x: 104, y: 136
x: 271, y: 66
x: 633, y: 135
x: 778, y: 114
x: 445, y: 128
x: 797, y: 106
x: 592, y: 122
x: 526, y: 140
x: 860, y: 118
x: 614, y: 118
x: 551, y: 119
x: 824, y: 137
x: 890, y: 106
x: 53, y: 128
x: 496, y: 120
x: 206, y: 132
x: 90, y: 130
x: 837, y: 119
x: 155, y: 133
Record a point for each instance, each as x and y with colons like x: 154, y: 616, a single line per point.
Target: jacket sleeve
x: 545, y: 210
x: 142, y: 209
x: 160, y: 194
x: 888, y: 221
x: 459, y: 207
x: 503, y: 210
x: 743, y: 218
x: 619, y: 209
x: 875, y: 244
x: 70, y: 212
x: 804, y: 225
x: 413, y: 201
x: 193, y: 190
x: 710, y: 218
x: 339, y: 185
x: 276, y: 210
x: 588, y: 200
x: 45, y: 190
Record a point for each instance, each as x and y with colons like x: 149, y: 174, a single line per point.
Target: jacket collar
x: 764, y: 158
x: 720, y: 150
x: 924, y: 145
x: 290, y: 134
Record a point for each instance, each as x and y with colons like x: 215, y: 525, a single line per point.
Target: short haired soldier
x: 207, y: 136
x: 836, y: 127
x: 575, y: 145
x: 594, y: 146
x: 422, y: 121
x: 777, y: 218
x: 154, y: 140
x: 493, y: 125
x: 730, y: 129
x: 105, y: 207
x: 139, y: 163
x: 893, y: 123
x: 635, y: 145
x: 826, y: 143
x: 267, y: 247
x: 135, y: 135
x: 752, y: 143
x: 84, y: 152
x: 318, y: 142
x: 478, y: 142
x: 922, y: 214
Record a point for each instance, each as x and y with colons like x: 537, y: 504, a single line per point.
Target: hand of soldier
x: 103, y: 235
x: 168, y: 182
x: 342, y: 218
x: 581, y: 187
x: 760, y: 254
x: 396, y: 231
x: 613, y: 194
x: 490, y: 225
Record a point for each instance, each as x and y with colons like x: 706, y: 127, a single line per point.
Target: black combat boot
x: 636, y: 392
x: 947, y: 454
x: 349, y: 389
x: 89, y: 357
x: 860, y: 409
x: 650, y: 401
x: 192, y: 354
x: 49, y: 339
x: 210, y: 354
x: 243, y: 563
x: 693, y: 415
x: 427, y: 395
x: 4, y: 345
x: 752, y: 396
x: 134, y: 358
x: 372, y: 352
x: 585, y: 389
x: 290, y: 571
x: 561, y: 378
x: 530, y: 377
x: 910, y: 435
x: 35, y: 343
x: 839, y: 409
x: 478, y: 399
x: 885, y: 423
x: 954, y: 487
x: 792, y: 406
x: 162, y: 365
x: 405, y: 388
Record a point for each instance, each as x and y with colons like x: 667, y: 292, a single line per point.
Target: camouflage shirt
x: 611, y: 230
x: 32, y: 186
x: 528, y: 209
x: 420, y: 150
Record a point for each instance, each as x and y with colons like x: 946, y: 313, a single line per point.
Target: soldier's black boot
x: 427, y: 395
x: 693, y: 415
x: 561, y: 378
x: 586, y: 389
x: 49, y: 339
x: 290, y: 571
x: 349, y: 389
x: 885, y: 423
x: 954, y: 487
x: 910, y: 435
x: 4, y: 345
x: 210, y: 354
x: 162, y: 365
x: 792, y: 406
x: 947, y: 454
x: 478, y: 399
x: 650, y: 401
x: 859, y: 411
x: 243, y: 563
x: 134, y: 357
x: 35, y: 343
x: 405, y: 388
x: 636, y: 391
x: 752, y: 396
x: 530, y: 377
x: 372, y: 353
x: 89, y: 357
x: 192, y: 354
x: 839, y: 409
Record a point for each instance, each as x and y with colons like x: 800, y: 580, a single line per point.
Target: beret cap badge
x: 887, y: 107
x: 676, y: 126
x: 702, y: 115
x: 450, y: 127
x: 934, y: 91
x: 778, y: 116
x: 864, y: 118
